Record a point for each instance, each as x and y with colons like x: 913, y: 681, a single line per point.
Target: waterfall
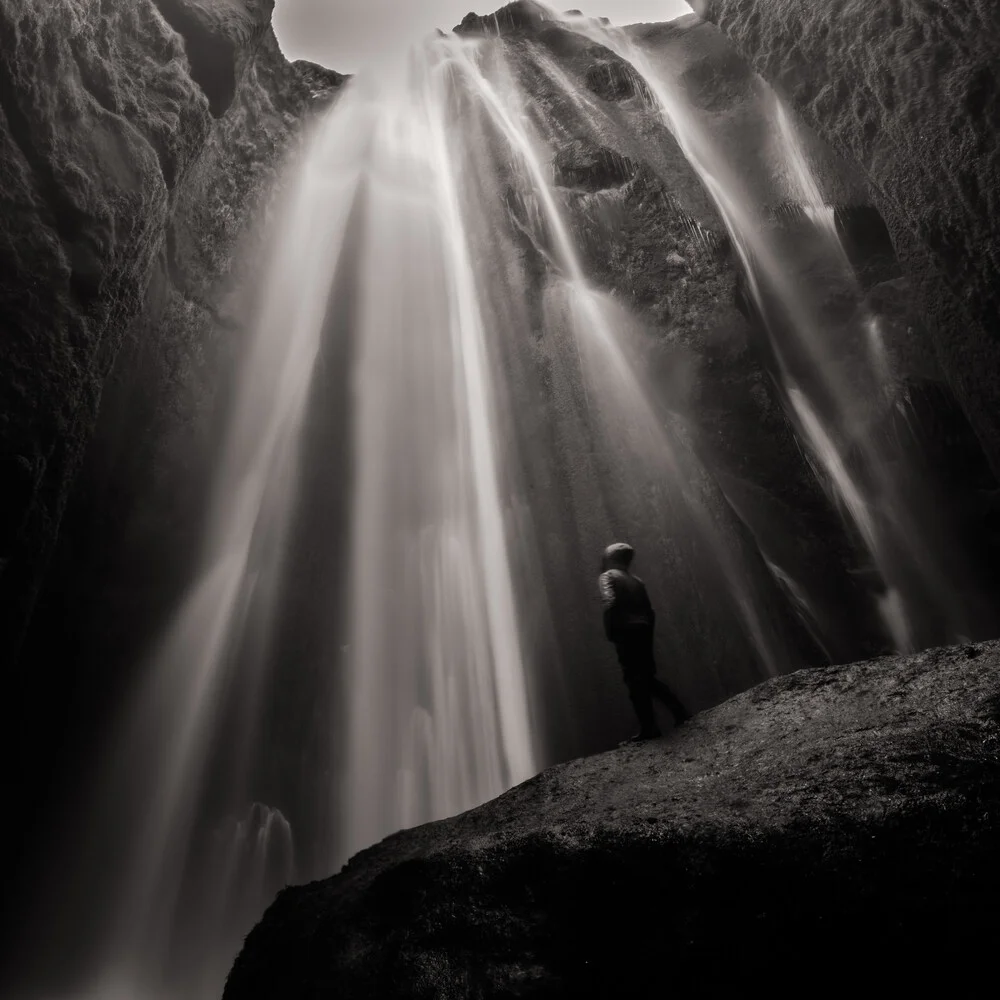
x: 837, y: 392
x: 213, y: 655
x: 435, y: 677
x: 622, y: 406
x: 439, y: 421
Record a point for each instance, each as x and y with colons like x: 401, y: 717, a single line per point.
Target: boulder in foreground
x: 836, y: 825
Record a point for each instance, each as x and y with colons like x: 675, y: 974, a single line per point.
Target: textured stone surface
x: 165, y: 189
x: 103, y: 110
x: 138, y: 501
x: 825, y: 823
x: 100, y: 119
x: 159, y: 196
x: 910, y: 91
x: 650, y: 235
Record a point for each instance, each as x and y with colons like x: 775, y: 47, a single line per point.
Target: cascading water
x: 647, y: 449
x: 435, y: 681
x: 214, y: 654
x: 835, y: 392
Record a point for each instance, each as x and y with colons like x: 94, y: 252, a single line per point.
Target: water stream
x: 836, y: 382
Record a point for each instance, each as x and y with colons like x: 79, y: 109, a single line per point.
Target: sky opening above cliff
x: 348, y: 34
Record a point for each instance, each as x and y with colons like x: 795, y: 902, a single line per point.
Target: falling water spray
x: 828, y: 413
x: 639, y: 431
x: 435, y: 676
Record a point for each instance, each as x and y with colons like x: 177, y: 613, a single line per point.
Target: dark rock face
x: 613, y: 81
x: 911, y: 93
x: 130, y: 180
x: 517, y: 16
x: 649, y: 234
x: 104, y: 112
x: 100, y: 120
x: 840, y: 819
x: 588, y: 168
x: 219, y: 37
x: 138, y: 499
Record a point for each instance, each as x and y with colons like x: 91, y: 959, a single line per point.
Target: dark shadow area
x: 212, y: 57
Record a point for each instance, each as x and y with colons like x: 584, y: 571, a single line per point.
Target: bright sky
x: 345, y: 34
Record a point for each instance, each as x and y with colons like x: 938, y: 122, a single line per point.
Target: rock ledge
x: 838, y: 824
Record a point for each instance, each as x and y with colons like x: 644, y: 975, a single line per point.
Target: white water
x: 160, y: 759
x: 435, y: 680
x: 616, y: 393
x: 892, y: 522
x: 431, y: 712
x: 434, y: 683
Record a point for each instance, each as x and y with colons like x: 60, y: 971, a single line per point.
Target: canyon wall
x: 122, y: 124
x: 139, y: 143
x: 909, y: 91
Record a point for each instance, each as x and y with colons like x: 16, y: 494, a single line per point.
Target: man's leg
x: 637, y: 673
x: 658, y: 689
x: 662, y: 693
x: 640, y: 693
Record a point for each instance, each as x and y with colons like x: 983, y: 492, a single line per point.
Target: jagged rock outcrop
x: 143, y: 481
x: 835, y: 824
x: 101, y: 118
x: 911, y: 93
x: 105, y: 111
x: 138, y: 142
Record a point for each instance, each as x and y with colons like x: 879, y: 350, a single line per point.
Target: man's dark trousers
x: 635, y: 654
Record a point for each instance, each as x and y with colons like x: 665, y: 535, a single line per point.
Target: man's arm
x: 609, y: 599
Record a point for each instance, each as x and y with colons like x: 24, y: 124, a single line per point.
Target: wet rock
x: 911, y: 94
x: 900, y: 328
x: 117, y: 330
x: 104, y: 114
x: 841, y: 819
x: 868, y: 244
x: 99, y: 118
x: 522, y: 15
x: 613, y: 80
x: 219, y: 39
x: 563, y: 43
x: 587, y: 167
x: 104, y: 111
x: 716, y: 83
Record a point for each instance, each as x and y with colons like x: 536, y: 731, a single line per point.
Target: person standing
x: 629, y: 621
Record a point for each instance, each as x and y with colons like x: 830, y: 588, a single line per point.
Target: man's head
x: 618, y: 556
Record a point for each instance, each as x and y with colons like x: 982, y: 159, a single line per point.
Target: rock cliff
x: 116, y: 124
x: 138, y: 143
x: 649, y: 234
x: 833, y: 827
x: 916, y: 106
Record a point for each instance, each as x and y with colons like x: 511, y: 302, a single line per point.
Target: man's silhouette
x: 629, y: 619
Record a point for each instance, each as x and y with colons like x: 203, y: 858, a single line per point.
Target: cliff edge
x: 836, y: 825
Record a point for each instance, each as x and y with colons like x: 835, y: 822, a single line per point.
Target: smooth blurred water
x: 837, y: 383
x: 434, y: 682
